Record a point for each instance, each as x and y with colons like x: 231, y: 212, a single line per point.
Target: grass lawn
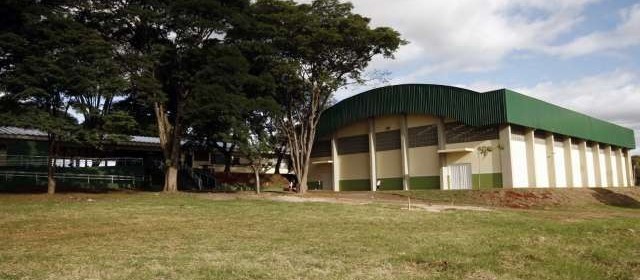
x: 189, y: 236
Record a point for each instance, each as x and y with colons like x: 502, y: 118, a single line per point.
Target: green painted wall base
x: 389, y: 184
x: 424, y: 183
x: 487, y: 180
x: 479, y: 181
x: 355, y: 185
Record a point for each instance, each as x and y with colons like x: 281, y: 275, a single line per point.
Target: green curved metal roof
x: 473, y: 108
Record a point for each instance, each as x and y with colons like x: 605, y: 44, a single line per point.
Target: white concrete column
x: 336, y: 164
x: 596, y: 164
x: 551, y: 161
x: 372, y: 155
x: 607, y: 160
x: 530, y: 140
x: 505, y: 156
x: 582, y: 147
x: 568, y: 162
x: 404, y: 150
x: 620, y: 168
x: 442, y: 158
x: 631, y: 176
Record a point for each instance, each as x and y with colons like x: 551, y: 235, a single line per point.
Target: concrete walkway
x: 411, y: 205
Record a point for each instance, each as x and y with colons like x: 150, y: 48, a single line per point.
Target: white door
x: 460, y: 176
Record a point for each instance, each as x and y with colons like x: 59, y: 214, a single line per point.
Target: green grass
x: 150, y: 236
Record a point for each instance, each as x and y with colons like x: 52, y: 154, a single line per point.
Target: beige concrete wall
x: 420, y: 120
x: 480, y: 164
x: 541, y: 163
x: 560, y: 165
x: 389, y: 164
x: 591, y: 168
x: 563, y: 163
x: 575, y: 167
x: 354, y: 166
x: 386, y: 123
x: 623, y: 168
x: 615, y: 182
x: 424, y: 161
x: 519, y: 162
x: 321, y: 172
x: 603, y: 168
x: 357, y: 128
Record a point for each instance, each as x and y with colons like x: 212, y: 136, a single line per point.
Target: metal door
x: 460, y: 176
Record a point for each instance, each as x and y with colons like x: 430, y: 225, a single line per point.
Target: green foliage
x: 54, y: 69
x: 215, y: 71
x: 312, y: 50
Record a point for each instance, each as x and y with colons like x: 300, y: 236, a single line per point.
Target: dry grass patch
x: 186, y: 236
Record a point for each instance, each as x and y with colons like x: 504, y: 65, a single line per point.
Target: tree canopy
x: 318, y: 48
x: 248, y: 74
x: 54, y: 69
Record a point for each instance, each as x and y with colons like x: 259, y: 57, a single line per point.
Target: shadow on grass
x: 63, y: 189
x: 612, y: 198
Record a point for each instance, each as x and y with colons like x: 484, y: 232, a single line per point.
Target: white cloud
x: 473, y: 35
x: 482, y: 86
x: 624, y: 35
x: 477, y: 35
x: 469, y: 35
x: 613, y: 96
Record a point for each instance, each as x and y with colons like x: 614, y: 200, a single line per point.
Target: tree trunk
x: 227, y: 163
x: 170, y: 136
x: 302, y: 188
x: 171, y: 179
x: 51, y: 181
x: 280, y: 156
x: 257, y: 174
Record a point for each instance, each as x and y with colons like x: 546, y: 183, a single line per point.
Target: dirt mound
x: 522, y: 199
x: 512, y: 198
x: 536, y: 198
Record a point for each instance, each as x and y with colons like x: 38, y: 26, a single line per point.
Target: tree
x: 257, y: 147
x: 49, y: 62
x: 320, y: 47
x: 218, y: 114
x: 169, y: 45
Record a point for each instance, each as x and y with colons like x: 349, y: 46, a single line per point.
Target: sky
x: 579, y: 54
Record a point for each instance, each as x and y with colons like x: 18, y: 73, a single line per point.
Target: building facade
x: 133, y: 163
x: 410, y: 137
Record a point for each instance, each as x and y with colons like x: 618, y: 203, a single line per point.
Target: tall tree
x: 48, y: 62
x: 240, y: 83
x: 168, y: 44
x: 320, y: 47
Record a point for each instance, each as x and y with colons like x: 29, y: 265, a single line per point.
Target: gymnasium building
x: 421, y: 136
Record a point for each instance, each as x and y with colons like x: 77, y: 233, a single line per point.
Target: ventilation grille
x: 353, y: 145
x: 388, y: 140
x: 423, y: 136
x: 459, y: 133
